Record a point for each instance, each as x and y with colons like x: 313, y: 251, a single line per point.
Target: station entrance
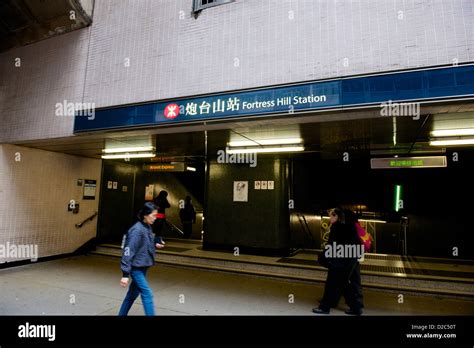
x: 128, y: 182
x: 284, y: 196
x: 261, y: 190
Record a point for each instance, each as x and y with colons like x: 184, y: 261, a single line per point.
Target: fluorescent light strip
x: 469, y: 141
x: 452, y: 132
x: 363, y: 220
x: 377, y: 221
x: 191, y: 169
x: 266, y: 149
x: 286, y: 141
x: 130, y: 155
x: 129, y: 149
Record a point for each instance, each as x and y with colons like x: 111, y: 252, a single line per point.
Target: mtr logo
x: 171, y: 111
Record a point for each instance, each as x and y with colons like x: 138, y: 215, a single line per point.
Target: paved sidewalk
x: 89, y: 285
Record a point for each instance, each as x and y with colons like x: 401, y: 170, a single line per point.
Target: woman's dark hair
x: 147, y: 209
x: 350, y: 223
x: 187, y: 200
x: 341, y: 217
x: 162, y: 195
x: 350, y: 216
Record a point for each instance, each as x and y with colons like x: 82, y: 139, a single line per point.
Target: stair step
x: 301, y: 273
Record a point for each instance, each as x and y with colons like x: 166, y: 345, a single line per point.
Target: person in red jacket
x: 161, y: 202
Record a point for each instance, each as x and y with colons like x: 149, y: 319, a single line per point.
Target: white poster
x: 271, y: 184
x: 257, y: 185
x: 264, y: 185
x: 115, y: 185
x: 109, y: 185
x: 149, y: 191
x: 241, y: 191
x: 89, y: 189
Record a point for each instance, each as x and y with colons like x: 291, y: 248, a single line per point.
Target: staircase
x: 381, y: 272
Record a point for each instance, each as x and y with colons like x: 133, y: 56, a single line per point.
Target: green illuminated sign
x: 398, y: 198
x: 408, y: 162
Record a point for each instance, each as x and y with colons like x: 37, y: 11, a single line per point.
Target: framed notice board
x: 89, y: 189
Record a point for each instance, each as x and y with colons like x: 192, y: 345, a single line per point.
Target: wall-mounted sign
x: 408, y: 162
x: 334, y: 94
x: 257, y: 185
x: 149, y: 192
x: 165, y: 167
x: 263, y: 185
x: 109, y: 185
x: 241, y: 191
x: 115, y: 185
x: 89, y: 189
x: 271, y: 184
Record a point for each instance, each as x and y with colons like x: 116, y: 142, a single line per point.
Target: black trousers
x: 158, y: 225
x: 158, y: 229
x: 354, y: 290
x: 338, y: 284
x: 187, y: 229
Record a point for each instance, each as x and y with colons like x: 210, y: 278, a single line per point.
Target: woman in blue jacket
x: 138, y: 256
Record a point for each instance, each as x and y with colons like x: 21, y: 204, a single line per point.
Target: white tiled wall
x: 252, y: 43
x: 34, y: 193
x: 50, y: 72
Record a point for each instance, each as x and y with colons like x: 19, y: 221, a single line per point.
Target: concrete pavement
x: 89, y: 285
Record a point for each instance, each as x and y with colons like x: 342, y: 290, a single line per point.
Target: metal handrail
x: 90, y: 218
x: 305, y: 227
x: 173, y: 227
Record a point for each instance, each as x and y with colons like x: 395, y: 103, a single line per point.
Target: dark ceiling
x: 26, y: 21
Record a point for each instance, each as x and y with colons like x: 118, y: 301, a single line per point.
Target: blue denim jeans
x: 139, y: 286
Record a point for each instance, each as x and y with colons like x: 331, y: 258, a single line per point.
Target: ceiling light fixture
x: 273, y: 149
x: 285, y: 141
x: 129, y: 155
x: 129, y: 149
x: 452, y: 132
x: 452, y: 142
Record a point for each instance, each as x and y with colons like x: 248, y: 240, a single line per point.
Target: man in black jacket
x: 187, y: 215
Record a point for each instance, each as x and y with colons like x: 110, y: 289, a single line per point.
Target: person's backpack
x: 364, y: 236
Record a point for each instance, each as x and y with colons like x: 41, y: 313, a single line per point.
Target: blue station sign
x: 421, y: 85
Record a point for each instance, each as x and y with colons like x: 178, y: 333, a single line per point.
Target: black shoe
x: 320, y: 311
x: 333, y: 306
x: 354, y: 312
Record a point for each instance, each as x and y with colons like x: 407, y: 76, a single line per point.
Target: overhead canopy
x: 26, y: 21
